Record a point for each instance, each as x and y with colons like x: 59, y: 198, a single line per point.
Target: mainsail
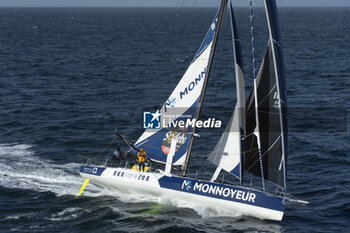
x: 181, y: 105
x: 228, y: 152
x: 272, y: 111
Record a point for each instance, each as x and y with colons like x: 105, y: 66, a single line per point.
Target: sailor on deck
x: 117, y: 155
x: 142, y: 159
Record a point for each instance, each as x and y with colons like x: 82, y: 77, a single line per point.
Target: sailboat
x: 255, y: 140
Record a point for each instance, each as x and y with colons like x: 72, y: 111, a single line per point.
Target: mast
x: 271, y: 15
x: 201, y: 98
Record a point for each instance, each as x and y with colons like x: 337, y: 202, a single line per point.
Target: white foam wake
x: 21, y: 168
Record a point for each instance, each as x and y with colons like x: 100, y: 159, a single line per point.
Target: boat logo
x: 186, y: 185
x: 170, y: 102
x: 179, y: 134
x: 152, y: 120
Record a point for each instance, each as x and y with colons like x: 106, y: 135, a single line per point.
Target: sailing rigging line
x: 239, y: 77
x: 194, y: 3
x: 182, y: 4
x: 212, y: 101
x: 177, y: 35
x: 109, y: 144
x: 273, y: 39
x: 201, y: 98
x: 257, y: 133
x: 264, y: 153
x: 251, y: 17
x: 132, y: 146
x: 268, y: 94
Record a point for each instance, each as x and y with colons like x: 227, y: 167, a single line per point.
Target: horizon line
x: 165, y: 7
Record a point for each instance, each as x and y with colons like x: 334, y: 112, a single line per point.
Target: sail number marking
x: 129, y: 175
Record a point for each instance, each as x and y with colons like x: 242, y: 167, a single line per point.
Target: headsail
x: 228, y: 152
x: 272, y: 109
x: 182, y: 102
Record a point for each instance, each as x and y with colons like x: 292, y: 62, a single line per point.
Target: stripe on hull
x: 225, y: 192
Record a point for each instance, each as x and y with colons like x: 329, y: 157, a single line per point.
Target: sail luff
x: 201, y: 98
x: 240, y: 87
x: 271, y: 11
x: 257, y: 129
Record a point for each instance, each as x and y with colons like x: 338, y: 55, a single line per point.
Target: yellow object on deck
x: 83, y: 187
x: 135, y: 167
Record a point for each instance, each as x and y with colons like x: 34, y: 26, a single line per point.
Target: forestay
x: 228, y: 152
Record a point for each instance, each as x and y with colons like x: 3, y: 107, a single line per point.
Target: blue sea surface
x: 70, y: 76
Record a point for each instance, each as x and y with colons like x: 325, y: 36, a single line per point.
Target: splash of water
x: 21, y: 168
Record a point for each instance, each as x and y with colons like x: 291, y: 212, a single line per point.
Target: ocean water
x: 70, y: 76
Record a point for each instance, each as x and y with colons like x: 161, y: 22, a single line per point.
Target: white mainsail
x: 181, y: 105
